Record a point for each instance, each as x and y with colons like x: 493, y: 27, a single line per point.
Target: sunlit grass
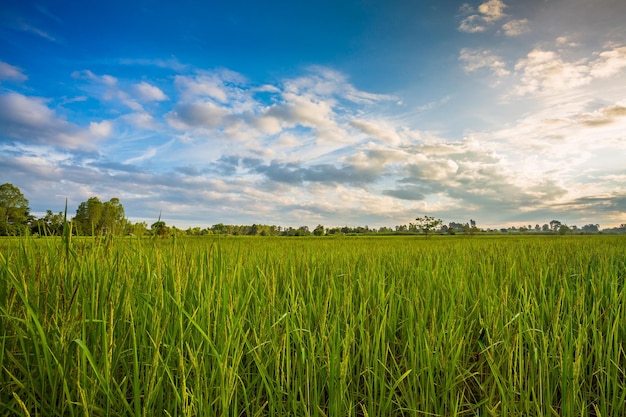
x: 365, y: 326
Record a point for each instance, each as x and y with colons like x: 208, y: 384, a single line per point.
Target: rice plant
x: 348, y: 326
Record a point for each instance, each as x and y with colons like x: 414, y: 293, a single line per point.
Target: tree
x: 14, y: 211
x: 319, y: 230
x: 51, y: 224
x: 159, y: 228
x: 555, y: 225
x: 428, y: 223
x: 95, y: 218
x: 591, y: 228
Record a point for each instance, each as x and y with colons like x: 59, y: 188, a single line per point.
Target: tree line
x: 95, y: 218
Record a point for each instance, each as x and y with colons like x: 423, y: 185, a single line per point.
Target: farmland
x: 320, y: 326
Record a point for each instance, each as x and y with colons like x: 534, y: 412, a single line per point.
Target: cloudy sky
x: 351, y: 112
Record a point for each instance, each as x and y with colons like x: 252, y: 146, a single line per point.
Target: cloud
x: 201, y: 114
x: 492, y: 10
x: 29, y: 120
x: 609, y: 63
x: 602, y: 117
x: 36, y: 31
x: 546, y: 71
x: 515, y: 27
x: 488, y: 13
x: 101, y: 79
x: 379, y: 130
x: 221, y: 85
x: 474, y: 60
x: 9, y: 72
x: 149, y: 92
x: 102, y: 129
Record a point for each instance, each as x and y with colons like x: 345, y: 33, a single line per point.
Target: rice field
x: 316, y: 326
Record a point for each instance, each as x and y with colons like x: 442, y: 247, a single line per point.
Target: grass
x: 353, y: 326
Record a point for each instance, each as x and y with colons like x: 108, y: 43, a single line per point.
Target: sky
x: 340, y: 113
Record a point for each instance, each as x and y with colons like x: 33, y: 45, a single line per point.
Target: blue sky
x: 329, y: 112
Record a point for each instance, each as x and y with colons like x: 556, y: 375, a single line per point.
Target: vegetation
x: 95, y: 218
x: 320, y: 326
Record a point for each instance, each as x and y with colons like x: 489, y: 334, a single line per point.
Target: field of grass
x: 351, y: 326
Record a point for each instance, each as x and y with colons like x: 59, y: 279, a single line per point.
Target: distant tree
x: 428, y: 223
x: 555, y: 225
x: 14, y: 211
x: 591, y: 228
x: 50, y: 225
x: 160, y: 229
x: 96, y: 218
x: 138, y: 229
x: 319, y: 230
x: 471, y: 228
x: 564, y: 229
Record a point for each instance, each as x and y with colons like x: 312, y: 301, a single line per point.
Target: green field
x: 349, y: 326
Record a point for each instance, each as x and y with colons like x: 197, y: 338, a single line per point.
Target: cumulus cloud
x: 488, y: 13
x: 515, y: 27
x: 492, y: 10
x: 474, y: 60
x: 609, y: 63
x: 201, y: 114
x: 10, y: 72
x: 29, y: 120
x: 149, y: 92
x: 545, y: 71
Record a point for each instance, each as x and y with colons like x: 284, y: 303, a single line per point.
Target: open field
x: 361, y: 326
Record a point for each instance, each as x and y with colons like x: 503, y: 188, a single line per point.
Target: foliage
x: 336, y: 326
x: 94, y: 218
x: 14, y: 211
x: 428, y: 223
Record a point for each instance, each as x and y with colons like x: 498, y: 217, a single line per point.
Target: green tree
x: 159, y: 228
x: 428, y: 223
x: 14, y: 210
x: 50, y: 225
x: 319, y: 230
x: 95, y: 218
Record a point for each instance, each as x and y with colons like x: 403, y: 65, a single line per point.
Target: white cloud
x: 31, y: 29
x: 516, y: 27
x: 476, y: 59
x: 29, y: 120
x: 10, y: 72
x: 102, y: 79
x: 546, y: 71
x: 380, y: 130
x: 492, y: 10
x: 102, y: 129
x: 489, y: 12
x: 609, y: 63
x: 199, y: 114
x: 141, y: 120
x: 149, y: 92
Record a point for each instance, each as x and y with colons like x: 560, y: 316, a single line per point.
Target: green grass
x: 353, y: 326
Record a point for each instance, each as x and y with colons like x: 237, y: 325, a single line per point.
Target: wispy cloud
x: 474, y: 60
x: 36, y: 31
x: 10, y: 72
